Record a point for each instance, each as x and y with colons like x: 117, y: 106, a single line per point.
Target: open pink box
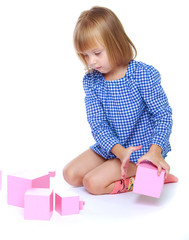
x: 18, y: 183
x: 147, y: 181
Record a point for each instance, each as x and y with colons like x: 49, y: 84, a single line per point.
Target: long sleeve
x: 157, y: 105
x: 100, y: 128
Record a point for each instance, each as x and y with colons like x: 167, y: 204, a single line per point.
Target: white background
x: 42, y: 115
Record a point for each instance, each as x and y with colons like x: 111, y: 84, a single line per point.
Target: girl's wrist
x: 155, y: 148
x: 118, y: 150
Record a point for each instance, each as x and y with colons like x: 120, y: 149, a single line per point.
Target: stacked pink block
x: 32, y: 192
x: 147, y: 181
x: 38, y: 204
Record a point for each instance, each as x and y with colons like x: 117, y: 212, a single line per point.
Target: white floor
x: 122, y: 216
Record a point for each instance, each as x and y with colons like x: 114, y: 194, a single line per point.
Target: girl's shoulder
x: 92, y: 75
x: 141, y: 68
x: 92, y: 79
x: 143, y: 73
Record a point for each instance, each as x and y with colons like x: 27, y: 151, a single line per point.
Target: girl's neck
x: 116, y: 73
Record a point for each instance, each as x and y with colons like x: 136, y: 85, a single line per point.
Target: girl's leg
x: 102, y: 179
x: 96, y: 174
x: 75, y: 171
x: 106, y: 178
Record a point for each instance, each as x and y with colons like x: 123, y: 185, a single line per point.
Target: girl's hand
x: 125, y: 158
x: 154, y: 156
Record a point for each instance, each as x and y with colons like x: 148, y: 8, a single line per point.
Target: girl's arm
x: 157, y: 104
x: 161, y: 114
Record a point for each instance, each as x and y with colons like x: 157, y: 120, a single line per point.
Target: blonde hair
x: 101, y: 25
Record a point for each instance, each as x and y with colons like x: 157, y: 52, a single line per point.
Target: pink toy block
x: 0, y: 179
x: 19, y: 183
x: 52, y: 173
x: 38, y: 204
x: 81, y: 204
x: 147, y: 181
x: 68, y: 204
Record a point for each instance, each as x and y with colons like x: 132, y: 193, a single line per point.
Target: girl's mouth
x: 98, y: 68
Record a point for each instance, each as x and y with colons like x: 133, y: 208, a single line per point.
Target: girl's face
x: 97, y: 58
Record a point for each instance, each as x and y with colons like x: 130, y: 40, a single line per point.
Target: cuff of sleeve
x: 108, y: 145
x: 111, y: 145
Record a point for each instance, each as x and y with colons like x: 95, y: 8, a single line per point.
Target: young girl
x: 127, y: 109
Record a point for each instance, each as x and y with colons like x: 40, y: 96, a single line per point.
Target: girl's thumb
x: 140, y: 160
x: 135, y: 148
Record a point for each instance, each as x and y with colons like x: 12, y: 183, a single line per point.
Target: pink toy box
x: 147, y: 181
x: 68, y: 203
x: 0, y: 179
x: 38, y: 204
x: 19, y: 183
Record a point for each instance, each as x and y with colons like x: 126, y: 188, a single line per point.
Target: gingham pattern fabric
x: 132, y: 111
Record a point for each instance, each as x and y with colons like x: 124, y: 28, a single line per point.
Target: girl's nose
x: 92, y: 61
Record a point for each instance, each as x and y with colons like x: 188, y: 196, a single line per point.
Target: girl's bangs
x: 86, y: 39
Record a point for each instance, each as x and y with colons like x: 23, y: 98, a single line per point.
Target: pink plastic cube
x: 0, y: 179
x: 68, y: 203
x: 147, y: 181
x: 38, y: 204
x: 19, y: 183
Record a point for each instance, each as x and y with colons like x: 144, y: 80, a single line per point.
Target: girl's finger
x: 135, y: 148
x: 141, y: 159
x: 124, y: 168
x: 123, y: 175
x: 167, y: 169
x: 159, y: 169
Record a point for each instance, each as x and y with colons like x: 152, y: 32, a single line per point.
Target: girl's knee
x: 92, y: 185
x: 71, y: 177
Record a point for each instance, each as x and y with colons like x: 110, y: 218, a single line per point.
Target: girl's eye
x: 85, y: 55
x: 97, y: 53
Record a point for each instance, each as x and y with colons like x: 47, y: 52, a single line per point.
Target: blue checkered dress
x: 131, y: 111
